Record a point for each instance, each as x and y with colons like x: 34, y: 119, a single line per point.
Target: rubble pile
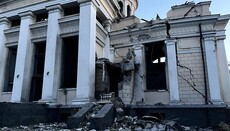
x: 39, y: 127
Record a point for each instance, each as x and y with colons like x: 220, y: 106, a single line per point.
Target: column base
x: 175, y: 102
x: 48, y: 101
x: 217, y: 102
x: 82, y: 101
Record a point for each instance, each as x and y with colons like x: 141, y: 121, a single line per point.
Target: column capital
x: 27, y: 14
x: 170, y: 41
x: 209, y: 36
x: 88, y: 2
x: 4, y: 20
x: 107, y: 22
x: 138, y: 47
x: 220, y: 35
x: 54, y: 8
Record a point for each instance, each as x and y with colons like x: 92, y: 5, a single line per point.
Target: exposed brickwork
x: 194, y: 62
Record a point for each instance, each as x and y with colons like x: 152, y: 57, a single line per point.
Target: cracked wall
x: 190, y: 71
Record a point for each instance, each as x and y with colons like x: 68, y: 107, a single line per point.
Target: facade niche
x: 10, y: 69
x: 37, y: 78
x: 69, y: 62
x: 155, y: 66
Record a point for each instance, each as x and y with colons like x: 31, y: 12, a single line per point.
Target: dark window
x: 15, y: 22
x: 42, y: 17
x: 11, y: 61
x: 71, y: 10
x: 37, y: 78
x: 121, y: 6
x: 155, y: 66
x: 128, y: 11
x: 69, y: 62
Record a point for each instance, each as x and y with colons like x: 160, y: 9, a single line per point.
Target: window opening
x: 10, y: 69
x: 15, y: 22
x: 128, y: 11
x: 155, y: 66
x: 69, y: 62
x: 121, y: 6
x: 71, y: 10
x: 42, y: 17
x: 37, y: 78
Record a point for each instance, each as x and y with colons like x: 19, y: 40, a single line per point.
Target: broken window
x: 155, y: 66
x: 69, y: 62
x: 11, y: 61
x: 37, y: 78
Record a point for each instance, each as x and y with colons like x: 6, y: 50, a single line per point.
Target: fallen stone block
x: 104, y: 118
x: 75, y: 120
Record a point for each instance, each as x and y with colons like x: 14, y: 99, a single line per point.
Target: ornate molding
x: 39, y: 30
x: 12, y: 37
x: 69, y: 24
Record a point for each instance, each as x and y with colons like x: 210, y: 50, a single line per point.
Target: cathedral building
x: 50, y: 51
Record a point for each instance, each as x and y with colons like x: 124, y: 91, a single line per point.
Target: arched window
x: 121, y: 6
x: 128, y: 11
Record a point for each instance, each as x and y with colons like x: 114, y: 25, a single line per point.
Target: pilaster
x: 86, y: 54
x: 223, y: 67
x: 107, y: 24
x: 171, y: 71
x: 22, y: 77
x: 52, y: 72
x: 139, y: 75
x: 4, y: 24
x: 212, y: 69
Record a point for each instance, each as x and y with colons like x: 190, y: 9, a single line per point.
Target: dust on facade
x: 74, y: 52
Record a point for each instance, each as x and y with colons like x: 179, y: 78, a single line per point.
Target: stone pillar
x: 22, y: 76
x: 107, y: 25
x: 139, y: 74
x: 4, y: 24
x: 223, y: 67
x: 212, y: 69
x: 52, y: 69
x: 171, y: 69
x: 86, y: 53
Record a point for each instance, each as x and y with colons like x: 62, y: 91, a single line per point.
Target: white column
x: 172, y: 75
x: 22, y: 76
x: 86, y: 54
x: 51, y: 79
x: 212, y: 69
x: 223, y: 67
x: 4, y: 24
x: 125, y: 8
x: 107, y: 25
x: 139, y: 75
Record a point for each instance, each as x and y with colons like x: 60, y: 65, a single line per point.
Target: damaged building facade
x: 76, y: 51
